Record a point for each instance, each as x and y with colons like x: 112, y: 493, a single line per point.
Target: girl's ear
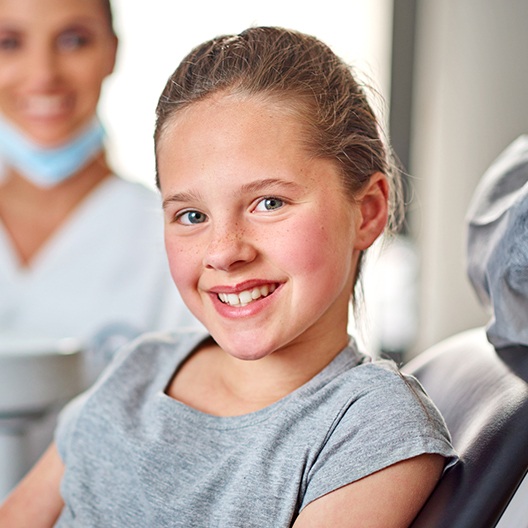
x: 373, y: 211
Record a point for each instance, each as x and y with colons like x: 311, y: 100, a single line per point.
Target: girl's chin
x: 245, y: 350
x: 246, y: 354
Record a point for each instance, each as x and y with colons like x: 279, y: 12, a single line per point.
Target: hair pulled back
x: 288, y: 66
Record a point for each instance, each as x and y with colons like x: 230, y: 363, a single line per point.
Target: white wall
x: 155, y: 36
x: 471, y: 101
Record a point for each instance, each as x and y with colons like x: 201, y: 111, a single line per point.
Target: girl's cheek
x: 320, y: 252
x: 181, y: 260
x: 310, y: 247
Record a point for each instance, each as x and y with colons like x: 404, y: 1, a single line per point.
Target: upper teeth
x: 246, y: 296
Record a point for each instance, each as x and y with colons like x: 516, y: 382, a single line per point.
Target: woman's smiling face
x: 54, y: 56
x: 260, y: 235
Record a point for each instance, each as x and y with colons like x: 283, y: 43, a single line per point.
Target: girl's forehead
x: 231, y: 133
x: 226, y: 118
x: 239, y: 141
x: 238, y: 149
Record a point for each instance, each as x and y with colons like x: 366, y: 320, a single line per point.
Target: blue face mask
x: 47, y: 167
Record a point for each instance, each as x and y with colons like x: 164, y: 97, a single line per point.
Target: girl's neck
x: 214, y: 382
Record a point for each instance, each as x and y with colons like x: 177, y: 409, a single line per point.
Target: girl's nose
x: 229, y: 249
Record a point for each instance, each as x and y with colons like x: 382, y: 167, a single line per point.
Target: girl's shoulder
x: 355, y: 370
x: 139, y: 369
x: 360, y: 390
x: 154, y: 348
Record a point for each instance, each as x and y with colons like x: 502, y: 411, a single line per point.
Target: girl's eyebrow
x: 268, y: 184
x: 188, y: 196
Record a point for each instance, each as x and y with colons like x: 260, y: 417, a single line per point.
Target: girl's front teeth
x: 247, y: 296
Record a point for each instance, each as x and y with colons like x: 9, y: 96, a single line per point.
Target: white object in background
x: 390, y: 278
x: 36, y: 376
x: 516, y: 514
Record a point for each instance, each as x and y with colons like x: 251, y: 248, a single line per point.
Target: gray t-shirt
x: 137, y: 458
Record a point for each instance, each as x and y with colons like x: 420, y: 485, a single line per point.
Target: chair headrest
x: 497, y: 245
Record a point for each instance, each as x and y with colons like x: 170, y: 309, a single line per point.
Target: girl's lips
x: 234, y: 306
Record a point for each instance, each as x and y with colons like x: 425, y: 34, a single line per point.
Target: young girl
x: 274, y: 180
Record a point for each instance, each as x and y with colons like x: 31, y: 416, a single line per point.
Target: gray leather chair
x: 483, y: 395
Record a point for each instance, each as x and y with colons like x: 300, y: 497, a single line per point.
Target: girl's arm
x: 36, y: 501
x: 390, y: 498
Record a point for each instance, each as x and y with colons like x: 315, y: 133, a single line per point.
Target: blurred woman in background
x: 80, y: 248
x: 81, y: 251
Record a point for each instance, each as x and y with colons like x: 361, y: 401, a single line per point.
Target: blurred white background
x: 156, y: 35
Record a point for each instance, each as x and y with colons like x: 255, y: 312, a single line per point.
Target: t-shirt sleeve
x: 385, y: 424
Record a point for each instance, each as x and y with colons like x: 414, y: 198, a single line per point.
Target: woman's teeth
x: 247, y: 296
x: 41, y: 105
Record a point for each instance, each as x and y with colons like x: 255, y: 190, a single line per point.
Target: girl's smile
x: 260, y: 235
x: 234, y: 297
x: 243, y: 303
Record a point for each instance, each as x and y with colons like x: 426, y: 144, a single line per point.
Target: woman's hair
x: 107, y: 7
x: 287, y: 66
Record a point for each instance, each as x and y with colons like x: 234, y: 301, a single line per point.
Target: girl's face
x: 54, y: 55
x: 260, y: 236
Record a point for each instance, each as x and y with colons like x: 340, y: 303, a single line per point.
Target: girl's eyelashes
x: 269, y: 203
x: 191, y: 217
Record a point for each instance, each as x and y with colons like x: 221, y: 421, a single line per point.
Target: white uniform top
x: 105, y: 270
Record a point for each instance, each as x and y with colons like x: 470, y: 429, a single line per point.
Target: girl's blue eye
x: 269, y: 204
x: 192, y: 218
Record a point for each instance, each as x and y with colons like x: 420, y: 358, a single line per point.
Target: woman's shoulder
x: 118, y: 194
x: 132, y: 190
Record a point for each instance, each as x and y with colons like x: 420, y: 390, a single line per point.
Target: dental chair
x: 483, y: 396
